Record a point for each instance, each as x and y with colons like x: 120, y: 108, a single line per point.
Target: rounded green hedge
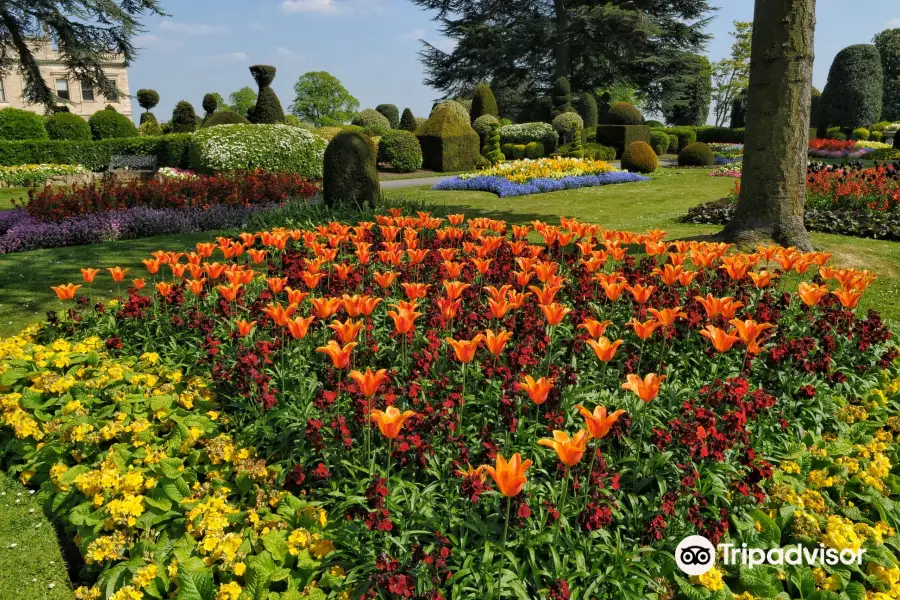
x: 567, y: 125
x: 483, y: 102
x: 401, y: 149
x: 108, y: 124
x: 697, y: 154
x: 659, y: 140
x: 639, y: 157
x: 350, y: 171
x: 391, y: 113
x: 623, y: 113
x: 275, y: 148
x: 18, y: 124
x: 482, y: 126
x: 453, y: 106
x: 861, y: 134
x: 534, y: 150
x: 371, y: 118
x: 673, y: 143
x: 66, y: 126
x: 225, y: 117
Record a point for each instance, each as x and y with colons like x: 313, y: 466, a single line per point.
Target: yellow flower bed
x: 522, y: 171
x: 138, y: 463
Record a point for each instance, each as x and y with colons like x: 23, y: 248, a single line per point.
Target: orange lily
x: 65, y: 292
x: 761, y: 279
x: 465, y: 349
x: 594, y: 327
x: 325, y: 307
x: 390, y: 421
x: 89, y: 274
x: 276, y: 284
x: 811, y: 294
x: 385, y: 280
x: 346, y: 331
x: 537, y: 389
x: 229, y: 292
x: 749, y: 332
x: 368, y: 382
x: 117, y: 273
x: 449, y: 308
x: 721, y: 340
x: 152, y: 265
x: 599, y: 423
x: 848, y: 298
x: 641, y: 293
x: 455, y: 288
x: 647, y: 388
x: 295, y: 296
x: 138, y: 283
x: 164, y: 289
x: 299, y: 326
x: 604, y: 349
x: 555, y: 313
x: 196, y: 286
x: 415, y: 291
x: 404, y: 318
x: 643, y: 330
x: 569, y: 450
x: 667, y: 316
x: 496, y: 341
x: 244, y: 327
x: 509, y: 476
x: 340, y: 356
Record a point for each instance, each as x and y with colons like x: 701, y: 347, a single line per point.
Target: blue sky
x: 371, y: 45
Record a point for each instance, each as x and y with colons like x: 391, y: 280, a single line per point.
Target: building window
x: 87, y: 91
x: 62, y: 88
x: 2, y: 92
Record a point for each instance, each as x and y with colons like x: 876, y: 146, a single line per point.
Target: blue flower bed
x: 506, y: 188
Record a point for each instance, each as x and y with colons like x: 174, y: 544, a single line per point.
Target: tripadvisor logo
x: 696, y: 555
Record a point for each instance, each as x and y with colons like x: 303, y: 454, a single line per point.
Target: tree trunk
x: 773, y: 185
x: 561, y: 56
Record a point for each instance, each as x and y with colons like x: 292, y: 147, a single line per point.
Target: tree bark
x: 773, y: 185
x: 561, y: 58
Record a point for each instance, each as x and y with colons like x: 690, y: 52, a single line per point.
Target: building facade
x: 82, y: 98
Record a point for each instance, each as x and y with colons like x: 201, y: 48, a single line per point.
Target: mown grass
x: 31, y: 565
x: 7, y: 195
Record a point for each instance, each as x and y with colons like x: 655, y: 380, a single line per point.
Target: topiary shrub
x: 150, y: 128
x: 739, y: 109
x: 408, y: 121
x: 448, y: 141
x: 268, y: 107
x: 224, y: 117
x: 854, y: 94
x: 861, y: 134
x: 562, y: 97
x: 373, y: 119
x: 210, y: 104
x: 328, y: 132
x: 686, y: 136
x: 673, y: 144
x: 514, y: 151
x: 654, y: 124
x: 17, y: 124
x: 832, y: 132
x: 454, y: 106
x: 697, y: 154
x: 66, y: 126
x: 482, y: 126
x: 621, y: 136
x: 876, y: 136
x: 276, y: 148
x: 524, y: 133
x: 659, y: 140
x: 574, y: 148
x: 350, y: 172
x: 147, y: 99
x: 491, y: 150
x: 567, y: 125
x: 534, y: 150
x: 587, y: 109
x: 688, y: 92
x: 483, y: 103
x: 815, y: 109
x: 401, y: 149
x: 184, y: 118
x: 391, y: 113
x: 623, y: 113
x: 639, y: 157
x: 599, y: 152
x: 148, y: 117
x: 419, y: 122
x: 108, y: 124
x: 603, y: 105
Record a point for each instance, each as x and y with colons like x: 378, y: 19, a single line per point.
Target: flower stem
x: 503, y: 549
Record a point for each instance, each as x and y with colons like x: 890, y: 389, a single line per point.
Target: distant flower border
x: 506, y: 189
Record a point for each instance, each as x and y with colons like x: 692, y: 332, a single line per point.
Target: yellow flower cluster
x: 711, y: 580
x: 522, y: 171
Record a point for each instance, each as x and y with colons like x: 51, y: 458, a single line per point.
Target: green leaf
x: 195, y: 585
x: 10, y: 376
x: 277, y: 546
x: 855, y: 591
x: 760, y: 581
x: 259, y: 571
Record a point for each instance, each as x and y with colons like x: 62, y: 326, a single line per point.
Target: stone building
x: 83, y: 99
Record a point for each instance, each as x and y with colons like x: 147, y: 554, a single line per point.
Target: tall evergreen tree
x: 526, y: 45
x: 687, y: 93
x: 888, y: 44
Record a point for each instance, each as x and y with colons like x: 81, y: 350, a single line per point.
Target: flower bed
x: 174, y: 173
x: 477, y: 412
x: 29, y: 175
x: 853, y: 149
x: 523, y: 177
x: 734, y: 169
x: 138, y: 464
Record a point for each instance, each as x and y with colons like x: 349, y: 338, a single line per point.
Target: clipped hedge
x: 686, y: 136
x: 224, y: 117
x: 274, y: 148
x: 720, y: 135
x: 448, y: 141
x: 525, y: 133
x: 623, y: 113
x: 599, y: 152
x: 350, y: 171
x: 18, y: 124
x: 170, y: 151
x: 391, y: 113
x: 515, y: 151
x: 697, y: 154
x: 401, y: 149
x: 659, y: 141
x: 639, y: 157
x: 108, y: 124
x: 66, y: 126
x: 621, y: 137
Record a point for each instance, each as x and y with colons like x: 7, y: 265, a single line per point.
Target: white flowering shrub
x: 273, y: 148
x: 525, y: 133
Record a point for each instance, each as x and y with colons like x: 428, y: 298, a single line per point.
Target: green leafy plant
x: 274, y: 148
x: 350, y: 172
x: 18, y: 124
x: 66, y: 126
x: 108, y: 124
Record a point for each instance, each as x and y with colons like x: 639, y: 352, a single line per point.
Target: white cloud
x: 288, y: 54
x: 229, y: 57
x: 145, y: 40
x: 310, y: 6
x: 893, y: 23
x: 196, y: 29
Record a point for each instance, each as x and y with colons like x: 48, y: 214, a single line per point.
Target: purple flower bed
x: 19, y: 231
x: 506, y: 188
x: 855, y: 154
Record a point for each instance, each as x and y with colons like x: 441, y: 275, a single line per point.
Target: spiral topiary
x: 697, y: 154
x: 623, y: 113
x: 350, y: 172
x: 491, y: 150
x: 639, y: 157
x: 562, y: 97
x: 268, y: 108
x: 482, y: 126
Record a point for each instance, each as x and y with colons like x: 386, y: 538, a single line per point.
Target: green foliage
x: 673, y: 143
x: 170, y: 151
x: 515, y: 151
x: 274, y: 148
x: 686, y: 136
x: 66, y: 126
x: 147, y: 99
x: 448, y: 141
x: 184, y: 118
x: 639, y: 157
x: 148, y: 117
x: 524, y: 133
x: 697, y: 154
x: 621, y: 137
x: 720, y: 135
x: 815, y: 109
x: 453, y: 105
x: 350, y: 172
x: 739, y: 110
x: 242, y: 100
x: 108, y: 124
x: 224, y: 117
x: 491, y: 150
x: 401, y: 149
x: 18, y: 124
x: 876, y: 136
x: 373, y: 121
x: 268, y: 109
x: 623, y: 113
x: 603, y: 106
x: 731, y: 75
x: 210, y: 103
x: 888, y: 44
x: 568, y: 125
x: 322, y: 100
x: 408, y: 121
x: 483, y: 102
x: 853, y: 96
x: 533, y: 150
x: 391, y: 113
x: 688, y: 93
x: 562, y: 97
x: 482, y: 126
x: 861, y: 133
x: 659, y: 140
x: 599, y: 152
x: 149, y: 128
x: 587, y: 108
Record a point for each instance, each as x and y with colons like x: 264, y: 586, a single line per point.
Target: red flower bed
x: 876, y: 188
x: 237, y: 189
x: 832, y: 145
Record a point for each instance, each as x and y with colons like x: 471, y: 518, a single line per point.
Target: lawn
x: 7, y: 195
x: 31, y: 565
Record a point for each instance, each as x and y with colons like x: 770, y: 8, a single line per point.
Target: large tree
x: 773, y: 186
x: 526, y: 45
x: 732, y: 75
x: 687, y: 93
x: 243, y: 100
x: 888, y: 44
x: 84, y: 32
x: 322, y: 100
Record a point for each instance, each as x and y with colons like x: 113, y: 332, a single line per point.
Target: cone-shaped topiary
x: 491, y: 150
x: 484, y: 102
x: 408, y: 121
x: 623, y: 113
x: 562, y: 96
x: 639, y: 157
x: 587, y: 108
x: 148, y: 99
x: 66, y: 126
x: 224, y: 117
x: 268, y: 107
x: 391, y: 113
x: 697, y: 154
x: 350, y: 172
x: 448, y: 141
x: 184, y: 119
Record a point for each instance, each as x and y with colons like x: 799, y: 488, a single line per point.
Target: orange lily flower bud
x: 340, y: 356
x: 647, y: 389
x: 391, y: 421
x: 599, y: 423
x: 89, y: 274
x: 569, y: 450
x: 509, y: 476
